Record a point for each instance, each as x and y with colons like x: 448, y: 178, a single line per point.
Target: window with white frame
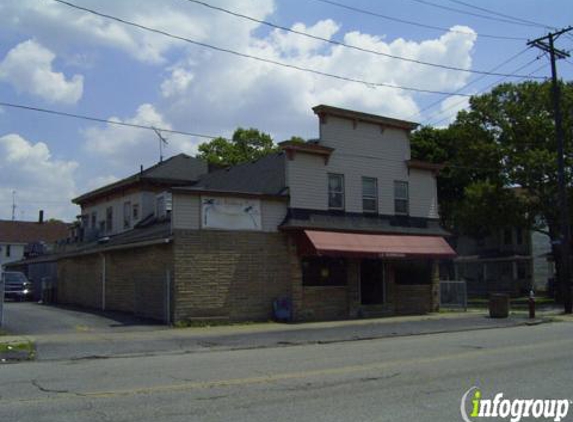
x: 369, y: 194
x: 401, y: 197
x: 336, y: 191
x: 135, y: 212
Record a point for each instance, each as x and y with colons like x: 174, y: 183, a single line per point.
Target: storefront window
x: 323, y: 271
x: 413, y: 272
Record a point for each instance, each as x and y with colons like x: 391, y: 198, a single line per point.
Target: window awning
x: 378, y: 245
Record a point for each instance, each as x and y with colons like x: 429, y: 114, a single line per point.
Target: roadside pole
x: 547, y: 44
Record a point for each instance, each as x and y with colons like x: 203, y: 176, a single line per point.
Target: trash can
x: 499, y: 305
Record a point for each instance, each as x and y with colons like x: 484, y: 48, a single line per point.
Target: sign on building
x: 230, y: 213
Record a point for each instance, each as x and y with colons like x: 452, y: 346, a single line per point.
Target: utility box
x: 499, y: 305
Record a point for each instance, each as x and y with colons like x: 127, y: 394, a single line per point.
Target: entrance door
x: 371, y: 282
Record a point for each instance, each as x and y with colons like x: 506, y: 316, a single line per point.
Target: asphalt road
x: 418, y: 378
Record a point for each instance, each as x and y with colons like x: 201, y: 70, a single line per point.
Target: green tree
x: 245, y: 145
x: 511, y: 131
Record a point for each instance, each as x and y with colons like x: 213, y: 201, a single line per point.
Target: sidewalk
x: 97, y: 345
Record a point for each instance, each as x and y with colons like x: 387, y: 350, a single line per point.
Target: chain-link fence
x: 453, y: 294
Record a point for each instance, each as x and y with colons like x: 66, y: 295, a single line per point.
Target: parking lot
x: 29, y: 318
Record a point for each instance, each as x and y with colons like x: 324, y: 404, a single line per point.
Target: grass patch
x: 17, y: 351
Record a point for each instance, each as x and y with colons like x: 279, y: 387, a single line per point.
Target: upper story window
x: 8, y: 251
x: 369, y: 194
x: 401, y: 197
x: 126, y: 215
x: 336, y: 191
x: 94, y: 220
x: 135, y: 212
x: 109, y: 219
x: 508, y: 236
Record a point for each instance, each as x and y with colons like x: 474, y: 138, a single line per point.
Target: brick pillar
x: 353, y: 287
x: 296, y: 280
x: 435, y: 306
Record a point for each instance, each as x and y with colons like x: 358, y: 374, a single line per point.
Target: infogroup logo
x: 512, y: 409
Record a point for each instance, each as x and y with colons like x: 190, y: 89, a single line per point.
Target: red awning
x: 378, y: 245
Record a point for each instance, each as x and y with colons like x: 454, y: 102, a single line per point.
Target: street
x: 417, y: 378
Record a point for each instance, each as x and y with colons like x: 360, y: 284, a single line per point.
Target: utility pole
x: 547, y: 44
x: 162, y: 141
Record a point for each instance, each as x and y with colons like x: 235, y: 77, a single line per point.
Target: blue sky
x: 59, y: 58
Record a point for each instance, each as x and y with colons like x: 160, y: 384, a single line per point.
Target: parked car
x: 16, y: 286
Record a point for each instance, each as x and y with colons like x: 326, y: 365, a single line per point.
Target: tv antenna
x: 14, y: 206
x: 162, y: 140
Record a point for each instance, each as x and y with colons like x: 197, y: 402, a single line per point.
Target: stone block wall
x: 135, y: 280
x: 232, y: 275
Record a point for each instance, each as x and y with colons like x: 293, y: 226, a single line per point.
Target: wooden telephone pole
x: 547, y: 44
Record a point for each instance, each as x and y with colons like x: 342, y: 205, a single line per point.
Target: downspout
x: 168, y: 297
x: 103, y: 277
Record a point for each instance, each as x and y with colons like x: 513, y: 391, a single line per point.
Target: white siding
x: 273, y: 214
x: 307, y: 182
x: 186, y: 212
x: 364, y: 150
x: 423, y: 194
x: 146, y: 201
x: 16, y: 253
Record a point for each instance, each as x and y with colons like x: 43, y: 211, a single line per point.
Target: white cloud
x: 227, y: 91
x: 124, y: 149
x: 178, y: 81
x: 41, y: 182
x: 61, y: 25
x: 28, y: 67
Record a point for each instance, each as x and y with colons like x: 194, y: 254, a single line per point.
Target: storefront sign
x: 230, y: 213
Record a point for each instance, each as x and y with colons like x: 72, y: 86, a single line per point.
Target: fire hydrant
x: 531, y: 304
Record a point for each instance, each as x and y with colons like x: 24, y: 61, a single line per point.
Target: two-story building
x: 343, y: 226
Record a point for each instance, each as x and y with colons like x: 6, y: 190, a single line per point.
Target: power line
x: 435, y: 114
x: 101, y: 120
x: 342, y: 44
x: 408, y: 22
x: 503, y: 15
x: 433, y: 104
x: 257, y: 58
x: 481, y: 91
x: 464, y: 12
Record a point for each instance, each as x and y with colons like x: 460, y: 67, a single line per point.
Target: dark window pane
x: 413, y: 272
x: 369, y: 205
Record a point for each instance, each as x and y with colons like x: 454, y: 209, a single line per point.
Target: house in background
x: 21, y: 239
x: 512, y: 261
x: 27, y: 239
x: 340, y: 227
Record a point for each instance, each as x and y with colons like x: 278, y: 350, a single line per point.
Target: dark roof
x: 365, y: 117
x: 265, y: 176
x: 29, y: 232
x: 347, y: 222
x: 157, y: 231
x: 180, y: 169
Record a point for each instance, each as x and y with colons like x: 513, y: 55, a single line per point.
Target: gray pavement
x: 62, y: 334
x: 414, y: 378
x: 30, y: 318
